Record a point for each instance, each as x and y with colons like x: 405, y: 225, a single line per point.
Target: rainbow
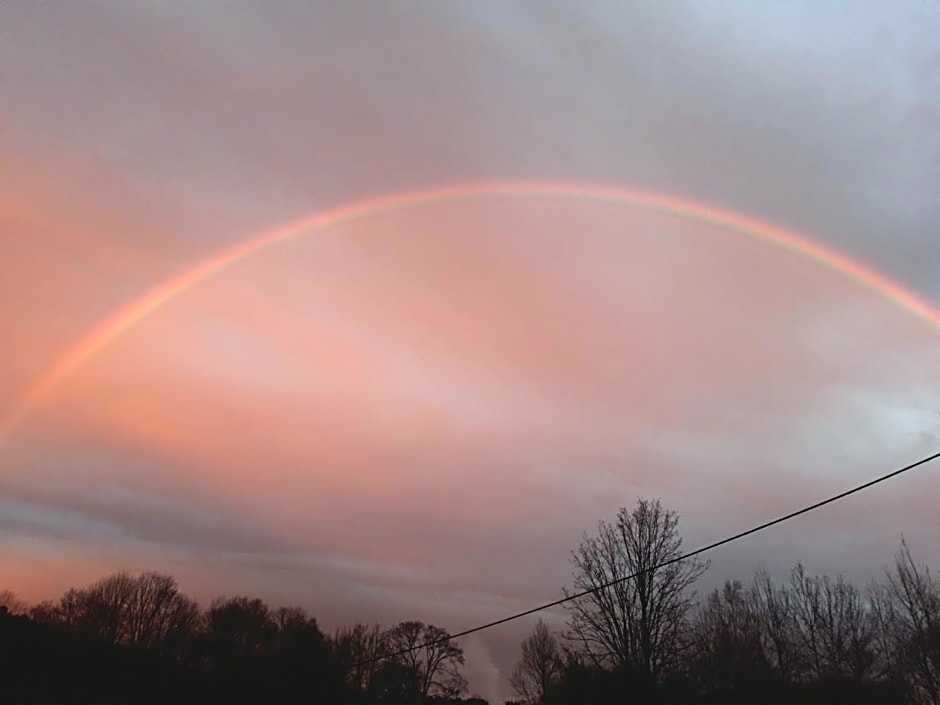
x: 136, y: 311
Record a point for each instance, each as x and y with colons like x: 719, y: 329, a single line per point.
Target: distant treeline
x: 139, y: 639
x: 808, y: 639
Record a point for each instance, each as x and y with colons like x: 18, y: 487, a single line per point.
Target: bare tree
x: 636, y: 623
x: 239, y: 628
x: 807, y: 619
x: 833, y: 626
x: 539, y: 668
x: 360, y: 648
x: 847, y: 630
x: 100, y: 608
x: 146, y: 611
x: 774, y: 611
x: 729, y: 650
x: 909, y: 611
x: 429, y: 657
x: 157, y: 612
x: 290, y: 620
x: 300, y: 646
x: 12, y: 604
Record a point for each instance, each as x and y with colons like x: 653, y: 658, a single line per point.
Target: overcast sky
x: 417, y: 414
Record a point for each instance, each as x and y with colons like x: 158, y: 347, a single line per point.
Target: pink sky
x: 416, y: 415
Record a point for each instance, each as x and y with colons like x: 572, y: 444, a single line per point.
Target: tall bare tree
x: 539, y: 668
x: 360, y: 648
x: 429, y: 657
x: 833, y: 626
x: 157, y: 613
x: 909, y: 613
x: 774, y: 611
x: 145, y: 611
x: 637, y: 623
x: 729, y: 651
x: 848, y: 629
x: 239, y: 628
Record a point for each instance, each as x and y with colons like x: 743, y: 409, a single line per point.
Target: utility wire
x: 698, y: 551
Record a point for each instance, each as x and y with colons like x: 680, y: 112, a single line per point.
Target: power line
x: 692, y: 554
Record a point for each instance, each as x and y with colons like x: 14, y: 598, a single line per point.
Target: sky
x: 417, y: 413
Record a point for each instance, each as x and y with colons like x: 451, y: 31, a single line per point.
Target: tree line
x: 140, y: 639
x: 644, y: 639
x: 808, y: 638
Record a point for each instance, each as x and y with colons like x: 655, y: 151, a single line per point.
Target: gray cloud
x: 124, y: 518
x: 155, y: 133
x: 783, y: 112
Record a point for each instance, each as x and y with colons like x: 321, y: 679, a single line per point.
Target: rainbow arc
x: 137, y: 310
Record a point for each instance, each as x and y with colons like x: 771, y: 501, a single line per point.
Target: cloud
x: 443, y: 392
x: 482, y: 671
x: 389, y: 414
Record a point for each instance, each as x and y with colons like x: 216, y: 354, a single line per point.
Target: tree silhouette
x: 908, y: 621
x: 833, y: 628
x: 428, y: 659
x: 157, y: 614
x: 303, y: 667
x: 815, y: 640
x: 358, y: 649
x: 774, y: 612
x: 540, y: 666
x: 729, y: 654
x: 147, y: 611
x: 637, y: 624
x: 239, y: 629
x: 12, y: 604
